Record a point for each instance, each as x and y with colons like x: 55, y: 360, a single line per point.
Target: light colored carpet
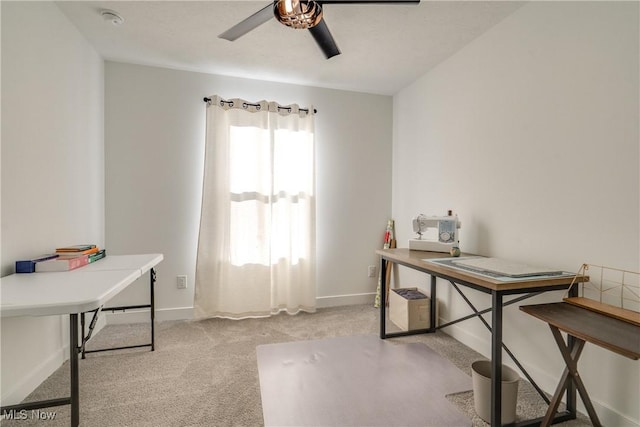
x: 205, y: 373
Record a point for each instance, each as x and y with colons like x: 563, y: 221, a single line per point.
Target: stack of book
x: 64, y: 259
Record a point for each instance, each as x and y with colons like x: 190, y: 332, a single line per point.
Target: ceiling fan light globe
x: 299, y: 14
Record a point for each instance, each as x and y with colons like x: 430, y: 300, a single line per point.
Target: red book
x: 62, y: 263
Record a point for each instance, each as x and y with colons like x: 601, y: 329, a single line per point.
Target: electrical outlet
x: 182, y: 282
x: 372, y: 271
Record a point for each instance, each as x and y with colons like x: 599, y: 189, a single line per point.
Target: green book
x: 98, y: 255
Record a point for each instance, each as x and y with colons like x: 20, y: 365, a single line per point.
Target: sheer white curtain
x: 256, y: 248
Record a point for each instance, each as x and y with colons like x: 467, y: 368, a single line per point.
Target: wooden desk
x: 498, y: 290
x: 585, y: 326
x: 75, y: 292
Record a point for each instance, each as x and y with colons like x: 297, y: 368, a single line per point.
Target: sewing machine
x: 446, y: 239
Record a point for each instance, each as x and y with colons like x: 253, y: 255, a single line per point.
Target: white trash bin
x: 481, y: 378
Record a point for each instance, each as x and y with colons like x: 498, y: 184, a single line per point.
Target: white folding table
x: 76, y: 292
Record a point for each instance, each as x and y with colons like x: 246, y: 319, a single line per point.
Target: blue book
x: 29, y: 266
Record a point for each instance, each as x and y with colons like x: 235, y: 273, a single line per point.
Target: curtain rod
x: 306, y: 110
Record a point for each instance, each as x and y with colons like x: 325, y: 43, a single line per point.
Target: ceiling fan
x: 300, y: 14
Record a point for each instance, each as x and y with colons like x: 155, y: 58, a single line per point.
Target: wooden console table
x: 418, y: 260
x: 585, y: 326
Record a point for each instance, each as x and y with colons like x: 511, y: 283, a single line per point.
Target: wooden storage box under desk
x: 409, y: 308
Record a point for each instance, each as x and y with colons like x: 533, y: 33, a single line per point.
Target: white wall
x: 530, y: 133
x: 155, y: 127
x: 52, y: 169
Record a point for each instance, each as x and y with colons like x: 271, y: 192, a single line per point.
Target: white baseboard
x: 40, y: 373
x: 186, y: 313
x: 609, y: 417
x: 37, y: 375
x: 142, y: 316
x: 349, y: 299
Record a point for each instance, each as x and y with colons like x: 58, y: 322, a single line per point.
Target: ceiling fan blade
x: 324, y: 39
x: 322, y: 2
x: 254, y: 21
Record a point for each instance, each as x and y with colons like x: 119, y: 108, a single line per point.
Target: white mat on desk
x: 358, y: 381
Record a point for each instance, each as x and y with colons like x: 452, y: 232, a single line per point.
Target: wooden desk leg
x: 496, y: 359
x: 569, y: 376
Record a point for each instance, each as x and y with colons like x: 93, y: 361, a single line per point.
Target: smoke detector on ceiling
x: 112, y: 16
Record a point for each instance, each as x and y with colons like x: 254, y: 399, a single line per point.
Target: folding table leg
x: 152, y: 282
x: 73, y: 365
x: 82, y: 324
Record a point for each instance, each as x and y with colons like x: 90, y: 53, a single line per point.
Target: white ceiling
x: 384, y: 47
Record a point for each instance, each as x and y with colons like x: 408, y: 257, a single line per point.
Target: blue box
x: 29, y: 266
